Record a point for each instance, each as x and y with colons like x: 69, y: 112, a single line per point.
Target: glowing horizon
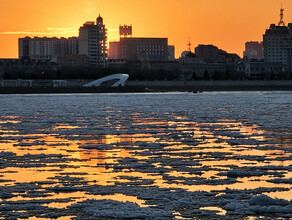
x: 226, y: 24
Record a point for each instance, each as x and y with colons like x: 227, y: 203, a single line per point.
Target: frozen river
x: 149, y: 156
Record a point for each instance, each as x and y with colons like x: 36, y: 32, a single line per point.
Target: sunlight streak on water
x: 75, y: 156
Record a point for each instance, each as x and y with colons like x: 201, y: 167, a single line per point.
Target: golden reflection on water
x: 218, y: 210
x: 25, y: 175
x: 283, y: 195
x: 88, y: 160
x: 81, y: 196
x: 10, y: 121
x: 64, y: 127
x: 37, y: 218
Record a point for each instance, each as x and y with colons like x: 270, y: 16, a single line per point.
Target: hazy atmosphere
x: 227, y: 24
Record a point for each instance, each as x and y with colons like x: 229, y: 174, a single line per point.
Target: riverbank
x: 225, y: 85
x: 60, y: 90
x: 155, y: 86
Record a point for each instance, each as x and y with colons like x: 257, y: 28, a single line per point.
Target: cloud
x: 60, y: 29
x: 48, y: 31
x: 20, y: 32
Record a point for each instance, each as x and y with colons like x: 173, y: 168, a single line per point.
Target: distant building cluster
x: 92, y: 42
x: 45, y: 48
x: 90, y: 48
x: 268, y: 59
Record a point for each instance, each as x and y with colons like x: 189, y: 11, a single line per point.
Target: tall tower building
x: 93, y: 42
x: 277, y: 43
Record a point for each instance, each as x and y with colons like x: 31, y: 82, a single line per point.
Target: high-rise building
x: 44, y: 48
x: 277, y: 43
x: 93, y: 42
x: 139, y: 49
x: 254, y: 50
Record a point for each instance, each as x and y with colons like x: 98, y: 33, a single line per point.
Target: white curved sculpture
x: 120, y: 76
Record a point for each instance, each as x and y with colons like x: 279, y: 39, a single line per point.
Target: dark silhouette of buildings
x: 208, y: 53
x: 257, y: 70
x: 278, y: 45
x: 143, y: 49
x: 84, y: 55
x: 171, y: 52
x: 24, y: 68
x: 71, y: 60
x: 139, y: 48
x: 125, y: 31
x: 92, y: 42
x: 254, y: 50
x: 277, y: 42
x: 45, y: 48
x: 211, y: 54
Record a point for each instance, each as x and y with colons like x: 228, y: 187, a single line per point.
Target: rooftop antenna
x: 189, y: 45
x: 281, y: 22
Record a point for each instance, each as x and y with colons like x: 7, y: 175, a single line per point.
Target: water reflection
x: 152, y: 151
x: 218, y: 210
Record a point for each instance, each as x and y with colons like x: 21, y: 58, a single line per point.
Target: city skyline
x: 228, y: 24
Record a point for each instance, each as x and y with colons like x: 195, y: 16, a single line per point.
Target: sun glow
x: 226, y: 24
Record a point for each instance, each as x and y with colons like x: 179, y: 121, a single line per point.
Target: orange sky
x: 227, y: 24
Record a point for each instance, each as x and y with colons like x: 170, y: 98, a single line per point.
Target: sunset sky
x: 227, y: 24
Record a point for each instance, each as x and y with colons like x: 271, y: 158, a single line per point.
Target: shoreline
x: 159, y: 86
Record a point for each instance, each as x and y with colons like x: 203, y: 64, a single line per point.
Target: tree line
x: 135, y: 73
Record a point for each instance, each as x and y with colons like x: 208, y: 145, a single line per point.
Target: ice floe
x: 174, y: 154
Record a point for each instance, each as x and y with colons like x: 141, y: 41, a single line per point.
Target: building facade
x: 72, y: 60
x: 171, y: 52
x: 93, y: 42
x: 140, y: 49
x: 113, y: 52
x: 44, y: 48
x: 73, y: 45
x: 208, y: 53
x: 277, y: 43
x: 258, y: 70
x: 254, y: 50
x: 211, y: 54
